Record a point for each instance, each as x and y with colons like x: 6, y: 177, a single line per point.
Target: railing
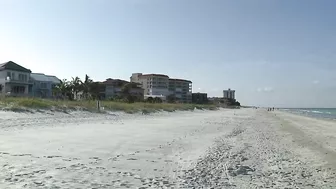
x: 18, y: 81
x: 11, y: 94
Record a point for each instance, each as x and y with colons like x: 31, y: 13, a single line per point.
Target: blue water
x: 328, y: 113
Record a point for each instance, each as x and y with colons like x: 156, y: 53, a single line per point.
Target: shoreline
x: 308, y: 115
x: 317, y: 134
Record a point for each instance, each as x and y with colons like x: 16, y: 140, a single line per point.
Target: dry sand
x: 244, y: 148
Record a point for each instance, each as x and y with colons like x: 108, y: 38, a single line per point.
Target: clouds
x: 265, y: 89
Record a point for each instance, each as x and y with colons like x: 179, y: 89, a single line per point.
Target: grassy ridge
x: 36, y: 103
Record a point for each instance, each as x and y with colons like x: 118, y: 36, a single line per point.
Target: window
x: 13, y: 75
x: 22, y: 77
x: 43, y: 85
x: 18, y: 89
x: 9, y: 74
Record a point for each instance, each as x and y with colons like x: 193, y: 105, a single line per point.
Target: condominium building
x: 162, y: 85
x: 181, y: 89
x: 230, y: 94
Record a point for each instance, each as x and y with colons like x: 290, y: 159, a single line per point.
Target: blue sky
x: 272, y: 52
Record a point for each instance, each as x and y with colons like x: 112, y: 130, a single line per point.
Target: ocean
x: 327, y: 113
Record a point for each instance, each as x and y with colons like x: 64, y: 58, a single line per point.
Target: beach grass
x: 20, y: 103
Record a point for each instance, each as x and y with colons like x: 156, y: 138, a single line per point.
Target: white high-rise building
x: 153, y: 84
x: 162, y: 85
x: 229, y: 94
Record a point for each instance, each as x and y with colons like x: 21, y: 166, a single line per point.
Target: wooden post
x: 98, y: 105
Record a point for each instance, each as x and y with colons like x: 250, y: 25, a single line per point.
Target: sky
x: 272, y: 52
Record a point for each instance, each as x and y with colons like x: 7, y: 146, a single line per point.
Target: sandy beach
x: 244, y: 148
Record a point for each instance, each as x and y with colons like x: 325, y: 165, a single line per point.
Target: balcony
x: 17, y: 81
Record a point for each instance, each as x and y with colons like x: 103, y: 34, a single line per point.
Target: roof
x: 112, y: 81
x: 182, y: 80
x: 229, y: 90
x: 43, y: 77
x: 157, y: 75
x: 54, y: 79
x: 162, y: 75
x: 10, y: 65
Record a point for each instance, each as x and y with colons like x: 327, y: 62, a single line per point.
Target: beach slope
x: 244, y: 148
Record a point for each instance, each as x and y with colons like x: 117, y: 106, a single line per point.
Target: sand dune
x: 244, y: 148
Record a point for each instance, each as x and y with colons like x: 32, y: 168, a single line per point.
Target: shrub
x: 91, y: 105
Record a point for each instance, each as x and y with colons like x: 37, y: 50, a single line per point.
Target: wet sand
x: 244, y: 148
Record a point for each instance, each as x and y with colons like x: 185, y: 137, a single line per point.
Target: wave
x: 318, y: 112
x: 313, y: 111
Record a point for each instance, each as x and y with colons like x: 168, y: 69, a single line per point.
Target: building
x: 199, y: 98
x: 216, y: 100
x: 14, y: 79
x: 42, y: 85
x: 181, y: 89
x: 230, y: 94
x: 155, y: 85
x: 113, y: 88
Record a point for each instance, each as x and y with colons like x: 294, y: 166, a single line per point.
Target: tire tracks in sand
x: 258, y: 154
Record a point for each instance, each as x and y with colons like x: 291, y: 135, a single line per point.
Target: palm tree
x: 63, y: 88
x: 76, y: 85
x: 86, y: 86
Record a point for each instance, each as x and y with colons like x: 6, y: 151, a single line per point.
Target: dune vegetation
x: 20, y: 103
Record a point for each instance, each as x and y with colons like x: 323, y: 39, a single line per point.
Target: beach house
x: 42, y: 85
x: 14, y: 79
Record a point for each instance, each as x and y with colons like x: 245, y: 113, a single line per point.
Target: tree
x: 126, y: 89
x: 94, y: 89
x: 85, y: 86
x: 1, y: 87
x: 157, y: 100
x: 126, y: 92
x: 76, y: 85
x: 171, y: 98
x: 64, y: 89
x: 150, y: 99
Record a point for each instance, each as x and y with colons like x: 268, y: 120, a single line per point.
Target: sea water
x: 329, y: 113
